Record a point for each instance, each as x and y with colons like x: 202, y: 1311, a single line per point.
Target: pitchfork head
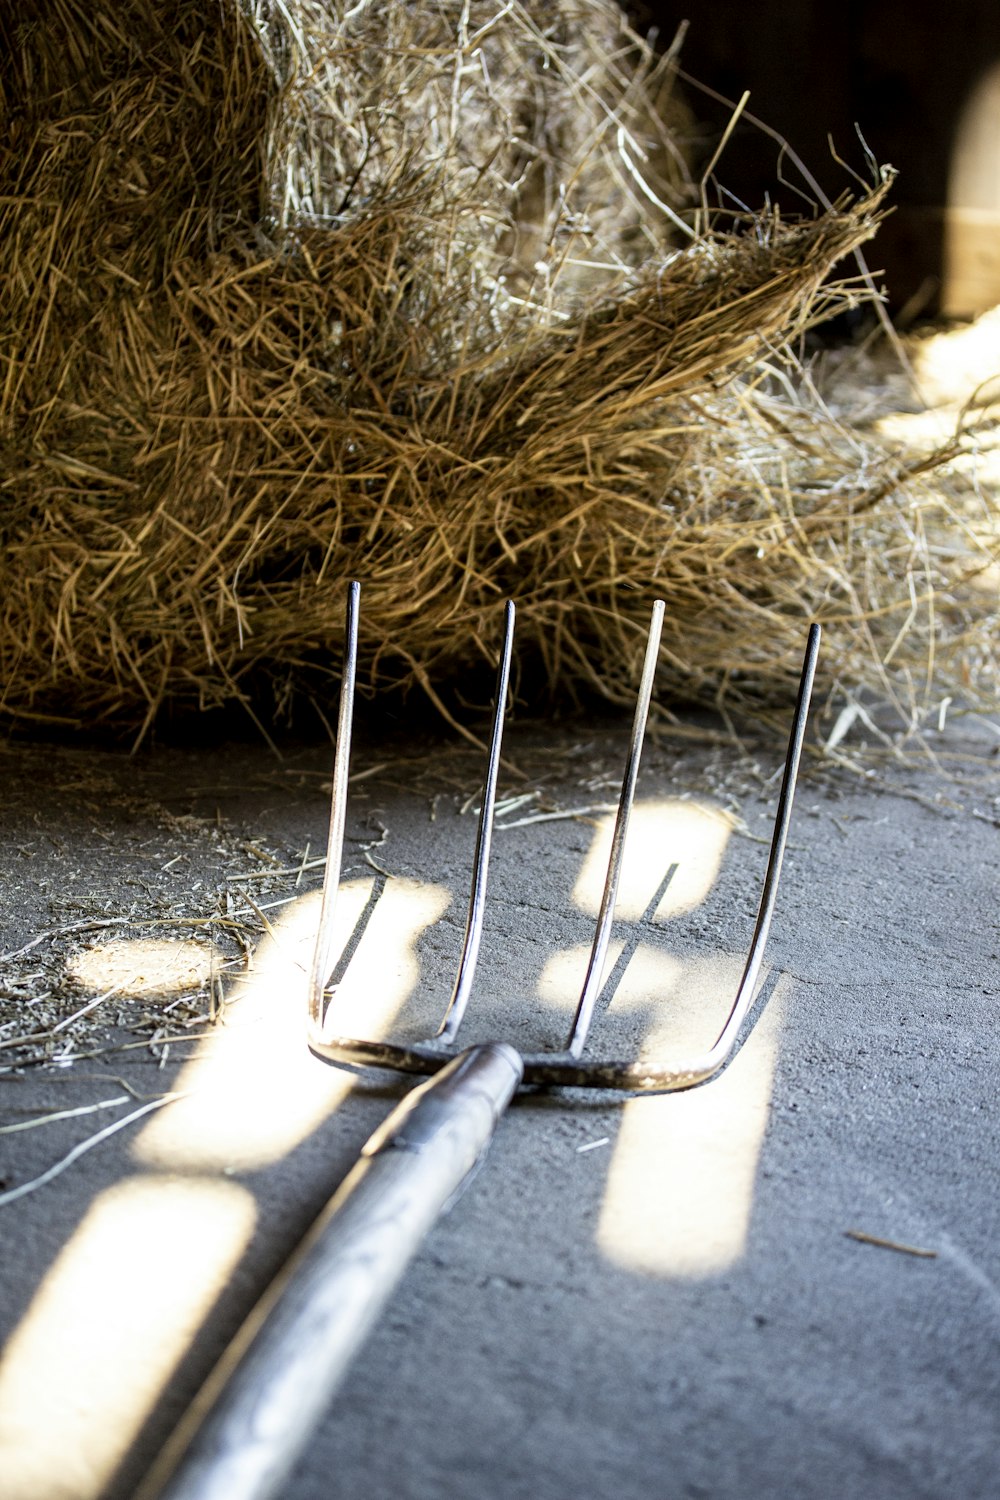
x: 568, y: 1066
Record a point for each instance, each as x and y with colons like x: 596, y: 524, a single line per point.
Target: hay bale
x: 300, y: 292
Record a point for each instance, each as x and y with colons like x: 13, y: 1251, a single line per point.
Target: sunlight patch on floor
x: 257, y: 1091
x: 108, y: 1325
x: 144, y: 968
x: 682, y: 1176
x: 681, y: 1184
x: 662, y: 832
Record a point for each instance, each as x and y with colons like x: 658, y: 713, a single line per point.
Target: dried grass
x: 296, y: 292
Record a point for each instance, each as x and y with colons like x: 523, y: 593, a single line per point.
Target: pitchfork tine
x: 323, y: 956
x: 769, y: 892
x: 595, y: 968
x: 477, y: 899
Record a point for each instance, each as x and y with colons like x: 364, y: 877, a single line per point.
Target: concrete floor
x: 649, y: 1298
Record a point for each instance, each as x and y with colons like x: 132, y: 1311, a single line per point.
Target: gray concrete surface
x: 656, y: 1298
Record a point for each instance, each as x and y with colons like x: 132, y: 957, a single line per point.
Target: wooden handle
x: 259, y: 1406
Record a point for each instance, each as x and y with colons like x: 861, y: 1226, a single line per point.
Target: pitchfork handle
x: 255, y: 1414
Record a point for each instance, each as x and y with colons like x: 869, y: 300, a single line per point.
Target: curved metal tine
x: 456, y: 1007
x: 324, y: 956
x: 726, y: 1039
x: 595, y: 968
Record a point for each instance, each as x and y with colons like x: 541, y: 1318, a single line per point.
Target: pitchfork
x: 256, y: 1412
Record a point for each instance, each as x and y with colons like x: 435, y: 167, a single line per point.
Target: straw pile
x: 296, y: 292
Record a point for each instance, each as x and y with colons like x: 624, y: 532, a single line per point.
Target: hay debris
x: 73, y: 1156
x: 297, y: 292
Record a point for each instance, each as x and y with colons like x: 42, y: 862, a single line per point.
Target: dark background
x: 904, y: 70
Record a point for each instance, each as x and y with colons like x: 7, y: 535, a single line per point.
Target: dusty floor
x: 655, y: 1298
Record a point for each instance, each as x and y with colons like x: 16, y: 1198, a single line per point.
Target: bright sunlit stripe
x: 682, y: 1176
x: 110, y: 1322
x: 662, y: 832
x: 681, y: 1184
x: 257, y: 1091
